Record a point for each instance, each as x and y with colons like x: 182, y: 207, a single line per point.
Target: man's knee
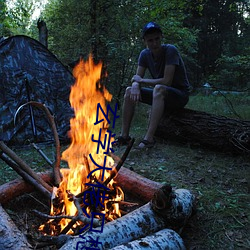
x: 159, y: 90
x: 127, y: 92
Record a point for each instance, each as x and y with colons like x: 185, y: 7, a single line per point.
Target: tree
x: 223, y: 31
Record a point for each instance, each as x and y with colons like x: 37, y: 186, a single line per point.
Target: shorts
x: 174, y: 100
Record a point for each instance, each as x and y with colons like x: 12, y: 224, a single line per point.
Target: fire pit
x: 85, y: 198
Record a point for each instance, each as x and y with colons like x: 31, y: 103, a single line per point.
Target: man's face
x: 153, y: 40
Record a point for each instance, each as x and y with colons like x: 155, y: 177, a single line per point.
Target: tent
x: 30, y: 72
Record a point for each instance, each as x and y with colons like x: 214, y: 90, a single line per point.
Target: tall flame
x: 85, y: 94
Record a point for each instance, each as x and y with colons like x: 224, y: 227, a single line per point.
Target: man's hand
x: 135, y: 93
x: 136, y: 78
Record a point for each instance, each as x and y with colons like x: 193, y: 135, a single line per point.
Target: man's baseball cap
x: 149, y: 27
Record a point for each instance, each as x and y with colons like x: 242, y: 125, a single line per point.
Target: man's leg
x: 157, y: 111
x: 128, y: 110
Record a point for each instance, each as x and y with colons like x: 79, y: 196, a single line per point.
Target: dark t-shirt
x: 171, y: 56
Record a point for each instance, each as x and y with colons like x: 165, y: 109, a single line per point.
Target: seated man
x: 168, y: 89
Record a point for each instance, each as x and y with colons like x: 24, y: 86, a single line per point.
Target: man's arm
x: 166, y: 80
x: 135, y: 93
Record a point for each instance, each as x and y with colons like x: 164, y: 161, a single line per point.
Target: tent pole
x: 33, y: 125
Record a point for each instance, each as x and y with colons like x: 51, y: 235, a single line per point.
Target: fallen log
x: 10, y: 237
x: 161, y: 240
x: 212, y: 131
x: 150, y: 218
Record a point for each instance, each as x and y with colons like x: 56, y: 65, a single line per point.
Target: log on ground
x: 212, y: 131
x: 140, y: 187
x: 131, y: 182
x: 161, y: 240
x: 10, y: 237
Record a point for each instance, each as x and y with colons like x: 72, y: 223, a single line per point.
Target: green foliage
x: 233, y: 72
x: 212, y: 36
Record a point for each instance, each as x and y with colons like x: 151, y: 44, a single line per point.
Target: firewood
x: 161, y: 240
x: 150, y: 218
x: 26, y: 176
x: 13, y: 156
x: 137, y: 185
x: 10, y: 237
x: 131, y: 182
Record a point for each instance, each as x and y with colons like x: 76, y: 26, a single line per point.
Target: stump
x: 214, y: 132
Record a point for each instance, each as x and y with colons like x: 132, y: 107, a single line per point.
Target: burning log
x: 165, y: 210
x: 161, y: 240
x: 216, y: 132
x: 10, y: 236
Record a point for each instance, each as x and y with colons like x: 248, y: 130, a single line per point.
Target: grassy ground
x: 219, y: 180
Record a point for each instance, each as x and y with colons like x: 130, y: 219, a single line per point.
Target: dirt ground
x: 220, y: 182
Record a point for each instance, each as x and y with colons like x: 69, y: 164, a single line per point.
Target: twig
x: 115, y: 170
x: 52, y: 217
x: 79, y: 216
x: 11, y: 154
x: 120, y: 163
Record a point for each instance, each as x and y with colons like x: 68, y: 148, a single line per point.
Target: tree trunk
x: 212, y: 131
x: 10, y: 237
x: 43, y: 32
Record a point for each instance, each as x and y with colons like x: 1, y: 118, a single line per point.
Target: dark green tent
x: 29, y: 71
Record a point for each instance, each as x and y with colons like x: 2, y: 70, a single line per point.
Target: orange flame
x: 85, y: 94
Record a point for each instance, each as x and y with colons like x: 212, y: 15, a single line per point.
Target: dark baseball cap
x: 149, y: 27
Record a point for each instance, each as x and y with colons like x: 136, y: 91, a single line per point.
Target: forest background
x: 212, y: 36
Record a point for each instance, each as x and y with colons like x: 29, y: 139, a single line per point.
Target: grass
x: 220, y: 181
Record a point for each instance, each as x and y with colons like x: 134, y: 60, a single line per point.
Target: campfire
x: 87, y: 187
x: 87, y: 196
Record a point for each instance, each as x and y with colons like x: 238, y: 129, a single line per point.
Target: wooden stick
x: 26, y: 176
x: 120, y: 163
x: 23, y: 165
x: 115, y: 170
